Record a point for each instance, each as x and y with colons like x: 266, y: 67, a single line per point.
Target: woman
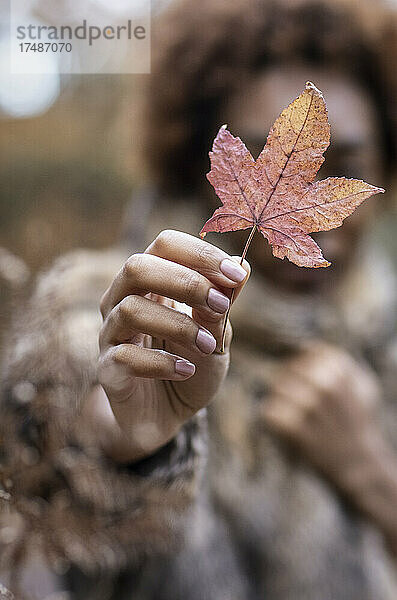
x: 115, y: 469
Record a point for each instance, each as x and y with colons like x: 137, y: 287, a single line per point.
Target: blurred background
x: 68, y: 151
x: 71, y: 154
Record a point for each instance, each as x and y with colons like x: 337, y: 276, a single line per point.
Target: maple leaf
x: 276, y: 194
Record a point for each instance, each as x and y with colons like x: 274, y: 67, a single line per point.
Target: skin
x: 322, y: 401
x: 148, y: 331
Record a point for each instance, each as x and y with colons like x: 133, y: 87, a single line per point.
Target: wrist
x: 114, y: 441
x: 126, y: 450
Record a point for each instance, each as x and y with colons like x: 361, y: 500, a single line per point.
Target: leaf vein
x: 316, y: 206
x: 242, y: 191
x: 289, y: 157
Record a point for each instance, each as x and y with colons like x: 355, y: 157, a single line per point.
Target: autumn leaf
x: 276, y: 194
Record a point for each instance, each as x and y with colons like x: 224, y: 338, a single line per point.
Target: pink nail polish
x: 184, y: 367
x: 233, y: 270
x: 205, y: 341
x: 217, y: 301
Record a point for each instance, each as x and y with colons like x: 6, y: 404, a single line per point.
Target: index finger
x: 216, y: 265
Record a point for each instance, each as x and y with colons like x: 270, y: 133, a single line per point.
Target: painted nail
x: 217, y: 301
x: 233, y: 270
x: 184, y: 367
x: 205, y: 341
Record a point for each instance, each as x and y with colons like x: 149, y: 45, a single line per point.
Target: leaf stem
x: 244, y: 254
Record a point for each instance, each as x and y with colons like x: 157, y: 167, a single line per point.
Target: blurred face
x: 354, y: 152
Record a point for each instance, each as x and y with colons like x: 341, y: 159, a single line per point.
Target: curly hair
x: 202, y: 51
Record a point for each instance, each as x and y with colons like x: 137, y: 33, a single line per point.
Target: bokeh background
x: 70, y: 156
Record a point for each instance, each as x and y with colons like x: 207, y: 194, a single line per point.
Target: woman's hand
x: 157, y: 362
x: 322, y: 401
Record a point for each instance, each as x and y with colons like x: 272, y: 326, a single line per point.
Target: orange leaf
x: 276, y: 193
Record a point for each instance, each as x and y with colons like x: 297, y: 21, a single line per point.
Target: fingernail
x: 184, y: 367
x: 217, y: 301
x: 205, y: 341
x: 233, y: 270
